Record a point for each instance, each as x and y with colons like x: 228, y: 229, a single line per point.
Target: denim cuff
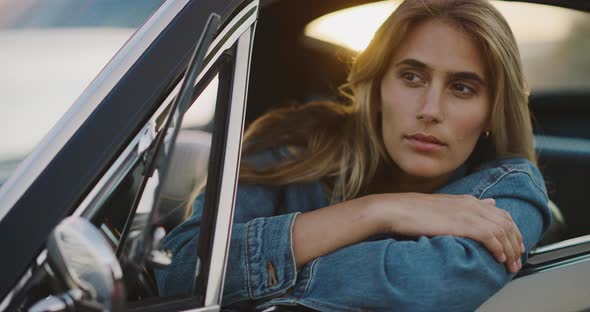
x: 270, y: 259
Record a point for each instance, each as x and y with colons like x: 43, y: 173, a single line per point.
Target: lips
x: 423, y: 143
x: 425, y: 138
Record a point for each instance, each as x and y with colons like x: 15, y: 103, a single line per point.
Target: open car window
x: 188, y: 177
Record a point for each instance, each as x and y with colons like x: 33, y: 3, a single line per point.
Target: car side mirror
x: 82, y: 258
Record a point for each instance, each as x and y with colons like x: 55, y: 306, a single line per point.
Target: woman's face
x: 434, y: 100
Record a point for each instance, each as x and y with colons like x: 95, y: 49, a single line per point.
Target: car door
x: 92, y: 164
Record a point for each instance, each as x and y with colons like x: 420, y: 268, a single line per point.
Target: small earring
x: 486, y: 134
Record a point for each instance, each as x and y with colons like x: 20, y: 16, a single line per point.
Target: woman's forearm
x: 325, y: 230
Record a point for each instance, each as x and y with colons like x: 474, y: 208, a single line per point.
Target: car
x: 82, y: 216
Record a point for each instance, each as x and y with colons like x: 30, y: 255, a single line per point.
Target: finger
x: 516, y: 243
x: 490, y: 241
x: 490, y: 201
x: 501, y: 229
x: 515, y: 266
x: 504, y: 239
x: 499, y: 218
x: 511, y: 267
x: 513, y: 234
x: 516, y: 231
x: 512, y: 228
x: 496, y: 249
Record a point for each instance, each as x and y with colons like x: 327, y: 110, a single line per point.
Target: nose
x: 431, y: 108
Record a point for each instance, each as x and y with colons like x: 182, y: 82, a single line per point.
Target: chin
x: 424, y: 167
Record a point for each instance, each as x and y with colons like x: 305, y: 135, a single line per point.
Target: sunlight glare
x: 353, y: 28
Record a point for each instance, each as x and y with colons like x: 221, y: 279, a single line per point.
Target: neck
x: 407, y: 183
x: 396, y: 181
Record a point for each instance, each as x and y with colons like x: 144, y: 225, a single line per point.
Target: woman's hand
x: 415, y: 214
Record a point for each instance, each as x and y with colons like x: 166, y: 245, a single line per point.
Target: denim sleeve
x: 443, y: 273
x: 262, y: 251
x: 261, y: 261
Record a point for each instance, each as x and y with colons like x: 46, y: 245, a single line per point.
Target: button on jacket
x: 442, y: 273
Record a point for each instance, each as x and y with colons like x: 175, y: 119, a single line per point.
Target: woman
x: 420, y: 195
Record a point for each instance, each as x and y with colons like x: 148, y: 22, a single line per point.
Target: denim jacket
x: 442, y: 273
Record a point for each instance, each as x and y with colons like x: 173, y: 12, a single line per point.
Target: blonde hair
x: 342, y: 144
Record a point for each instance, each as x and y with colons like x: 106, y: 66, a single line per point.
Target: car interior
x: 301, y: 69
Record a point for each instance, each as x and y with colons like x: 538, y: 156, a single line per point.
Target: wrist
x: 377, y: 213
x: 387, y: 212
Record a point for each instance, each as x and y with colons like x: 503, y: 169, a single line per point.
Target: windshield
x: 51, y: 51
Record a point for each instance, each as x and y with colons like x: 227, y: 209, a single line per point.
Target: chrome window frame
x: 231, y: 166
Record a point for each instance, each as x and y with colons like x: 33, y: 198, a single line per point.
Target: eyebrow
x: 464, y: 75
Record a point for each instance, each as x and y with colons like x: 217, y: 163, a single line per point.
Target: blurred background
x: 50, y: 51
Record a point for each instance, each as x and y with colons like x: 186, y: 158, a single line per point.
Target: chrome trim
x: 147, y: 136
x: 42, y: 257
x: 205, y: 309
x: 563, y: 244
x: 230, y: 170
x: 222, y: 43
x: 30, y: 168
x: 18, y: 288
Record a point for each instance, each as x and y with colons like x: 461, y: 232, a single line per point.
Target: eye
x: 411, y: 78
x: 463, y: 90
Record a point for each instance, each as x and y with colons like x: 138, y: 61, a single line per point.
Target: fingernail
x: 503, y: 258
x: 522, y: 247
x: 519, y: 264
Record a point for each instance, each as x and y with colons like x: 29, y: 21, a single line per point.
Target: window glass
x: 187, y: 173
x: 186, y: 178
x: 56, y: 47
